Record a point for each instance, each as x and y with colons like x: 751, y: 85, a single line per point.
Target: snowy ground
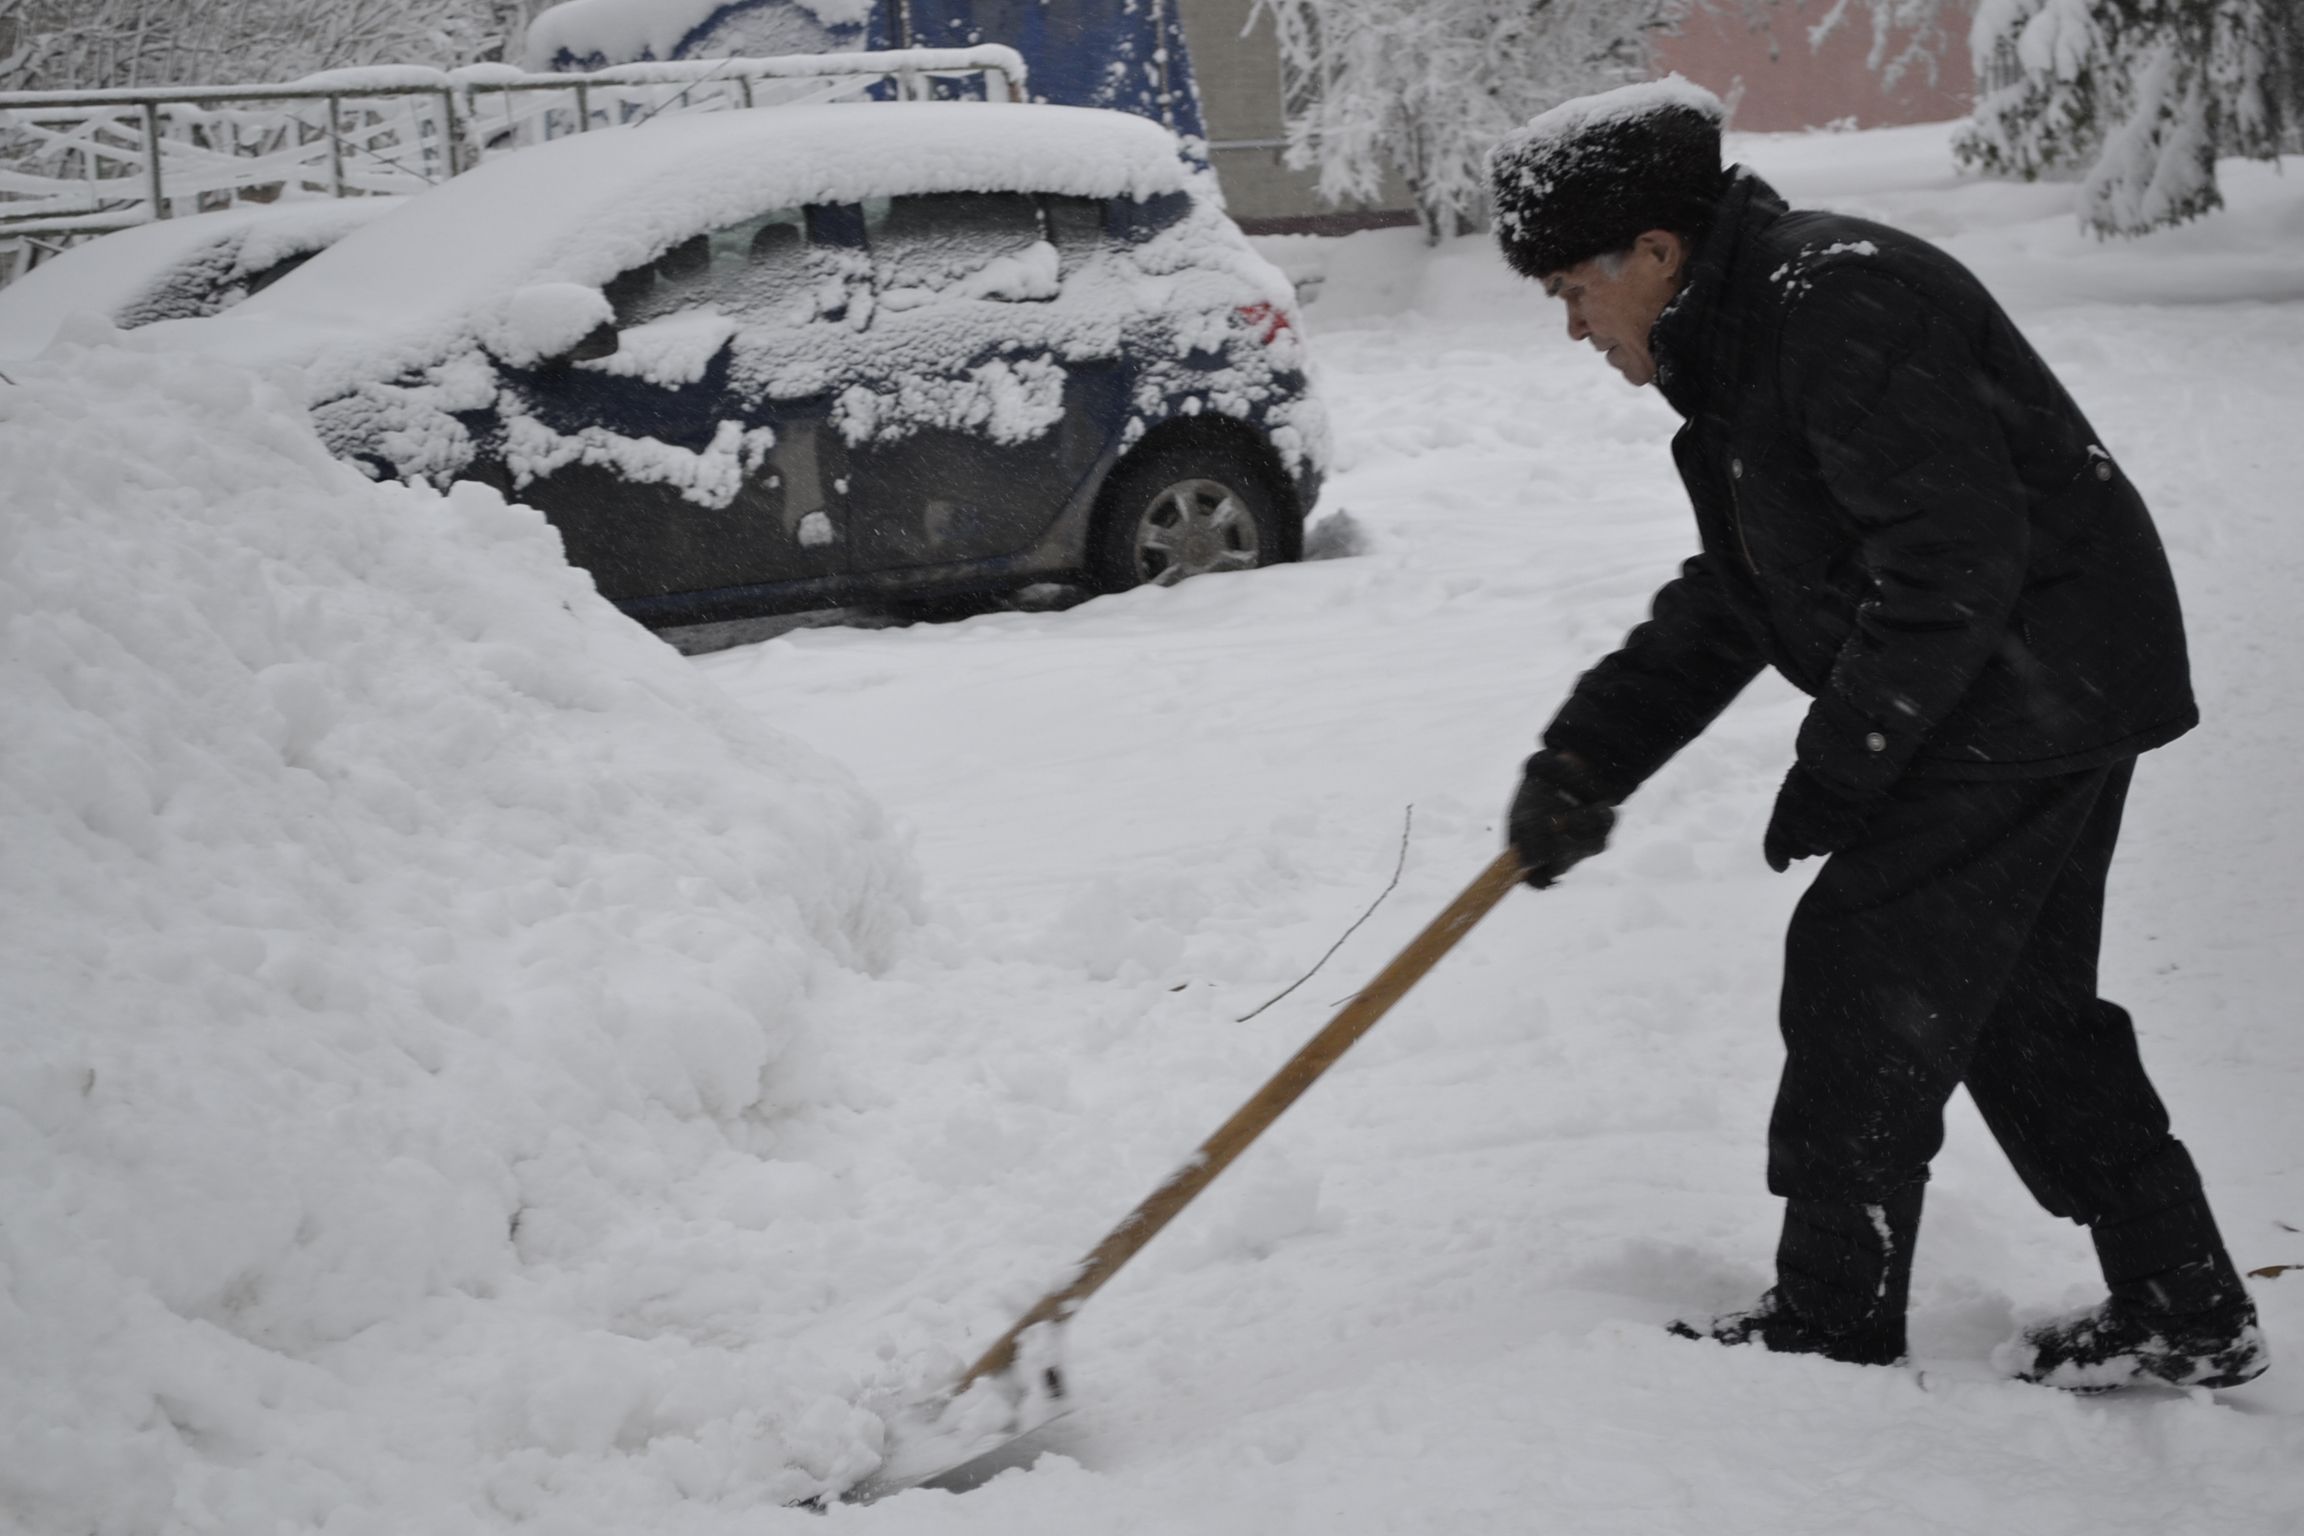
x: 1428, y: 1301
x: 471, y: 1079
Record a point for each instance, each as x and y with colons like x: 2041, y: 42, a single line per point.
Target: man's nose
x: 1577, y: 329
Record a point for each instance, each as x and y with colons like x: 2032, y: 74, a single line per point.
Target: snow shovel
x: 1017, y: 1387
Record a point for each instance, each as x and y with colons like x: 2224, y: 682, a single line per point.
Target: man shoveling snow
x: 1903, y: 512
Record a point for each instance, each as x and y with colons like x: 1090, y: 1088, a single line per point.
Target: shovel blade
x: 965, y: 1438
x: 978, y: 1470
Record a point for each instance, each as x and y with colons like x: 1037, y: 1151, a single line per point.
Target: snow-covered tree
x: 2136, y: 97
x: 83, y: 44
x: 1426, y: 87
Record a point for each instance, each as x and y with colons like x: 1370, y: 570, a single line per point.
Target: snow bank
x: 397, y: 942
x: 172, y: 269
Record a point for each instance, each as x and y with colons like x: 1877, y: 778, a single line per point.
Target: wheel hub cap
x: 1194, y: 527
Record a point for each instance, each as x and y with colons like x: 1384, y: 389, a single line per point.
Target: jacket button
x: 1875, y: 742
x: 1736, y: 469
x: 2103, y: 470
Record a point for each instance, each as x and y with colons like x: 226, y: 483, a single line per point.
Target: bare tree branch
x: 86, y: 44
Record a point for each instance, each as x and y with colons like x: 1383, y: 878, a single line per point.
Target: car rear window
x: 1075, y: 226
x: 1133, y: 220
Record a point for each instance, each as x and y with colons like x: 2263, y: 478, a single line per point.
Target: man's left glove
x: 1559, y: 818
x: 1812, y: 820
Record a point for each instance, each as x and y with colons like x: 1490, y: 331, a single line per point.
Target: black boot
x: 2178, y: 1314
x: 1843, y: 1279
x: 2120, y: 1344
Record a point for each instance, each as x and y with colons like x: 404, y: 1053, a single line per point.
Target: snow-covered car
x: 197, y: 265
x: 763, y: 361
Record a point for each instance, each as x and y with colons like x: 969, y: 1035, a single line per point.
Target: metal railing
x: 75, y: 164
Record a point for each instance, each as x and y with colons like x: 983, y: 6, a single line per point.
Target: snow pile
x: 176, y: 268
x: 406, y: 958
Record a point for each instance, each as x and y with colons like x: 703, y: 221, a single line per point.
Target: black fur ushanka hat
x: 1591, y: 175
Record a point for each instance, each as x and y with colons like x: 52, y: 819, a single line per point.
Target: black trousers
x: 1957, y: 944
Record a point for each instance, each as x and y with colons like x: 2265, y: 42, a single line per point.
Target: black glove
x: 1559, y: 818
x: 1811, y: 819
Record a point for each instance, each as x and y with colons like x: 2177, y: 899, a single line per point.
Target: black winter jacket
x: 1902, y: 511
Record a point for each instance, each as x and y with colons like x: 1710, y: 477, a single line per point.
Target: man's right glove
x: 1558, y: 819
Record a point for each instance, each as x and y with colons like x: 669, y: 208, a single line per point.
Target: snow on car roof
x: 584, y: 208
x: 648, y: 29
x: 106, y: 275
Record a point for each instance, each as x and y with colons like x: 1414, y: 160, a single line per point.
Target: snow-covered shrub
x: 390, y: 929
x: 1427, y: 87
x: 2137, y: 98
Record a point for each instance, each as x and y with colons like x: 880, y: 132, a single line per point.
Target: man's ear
x: 1664, y: 248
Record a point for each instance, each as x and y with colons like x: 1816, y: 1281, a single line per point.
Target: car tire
x: 1183, y: 510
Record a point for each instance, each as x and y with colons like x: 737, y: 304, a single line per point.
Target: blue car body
x: 938, y: 511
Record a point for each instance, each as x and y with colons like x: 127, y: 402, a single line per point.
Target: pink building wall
x: 1761, y: 64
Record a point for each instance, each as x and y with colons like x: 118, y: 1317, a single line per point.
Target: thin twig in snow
x: 1406, y: 823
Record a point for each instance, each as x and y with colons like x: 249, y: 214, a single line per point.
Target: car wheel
x: 1182, y: 512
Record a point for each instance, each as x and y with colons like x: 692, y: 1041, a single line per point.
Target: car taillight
x: 1266, y: 320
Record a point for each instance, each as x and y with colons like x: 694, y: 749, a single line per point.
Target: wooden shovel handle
x: 1234, y: 1137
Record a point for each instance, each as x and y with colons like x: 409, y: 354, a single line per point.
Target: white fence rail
x: 75, y: 164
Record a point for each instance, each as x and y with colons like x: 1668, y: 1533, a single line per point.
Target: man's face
x: 1616, y: 310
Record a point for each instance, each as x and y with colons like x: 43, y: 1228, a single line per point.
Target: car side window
x: 1134, y: 220
x: 745, y: 268
x: 938, y: 242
